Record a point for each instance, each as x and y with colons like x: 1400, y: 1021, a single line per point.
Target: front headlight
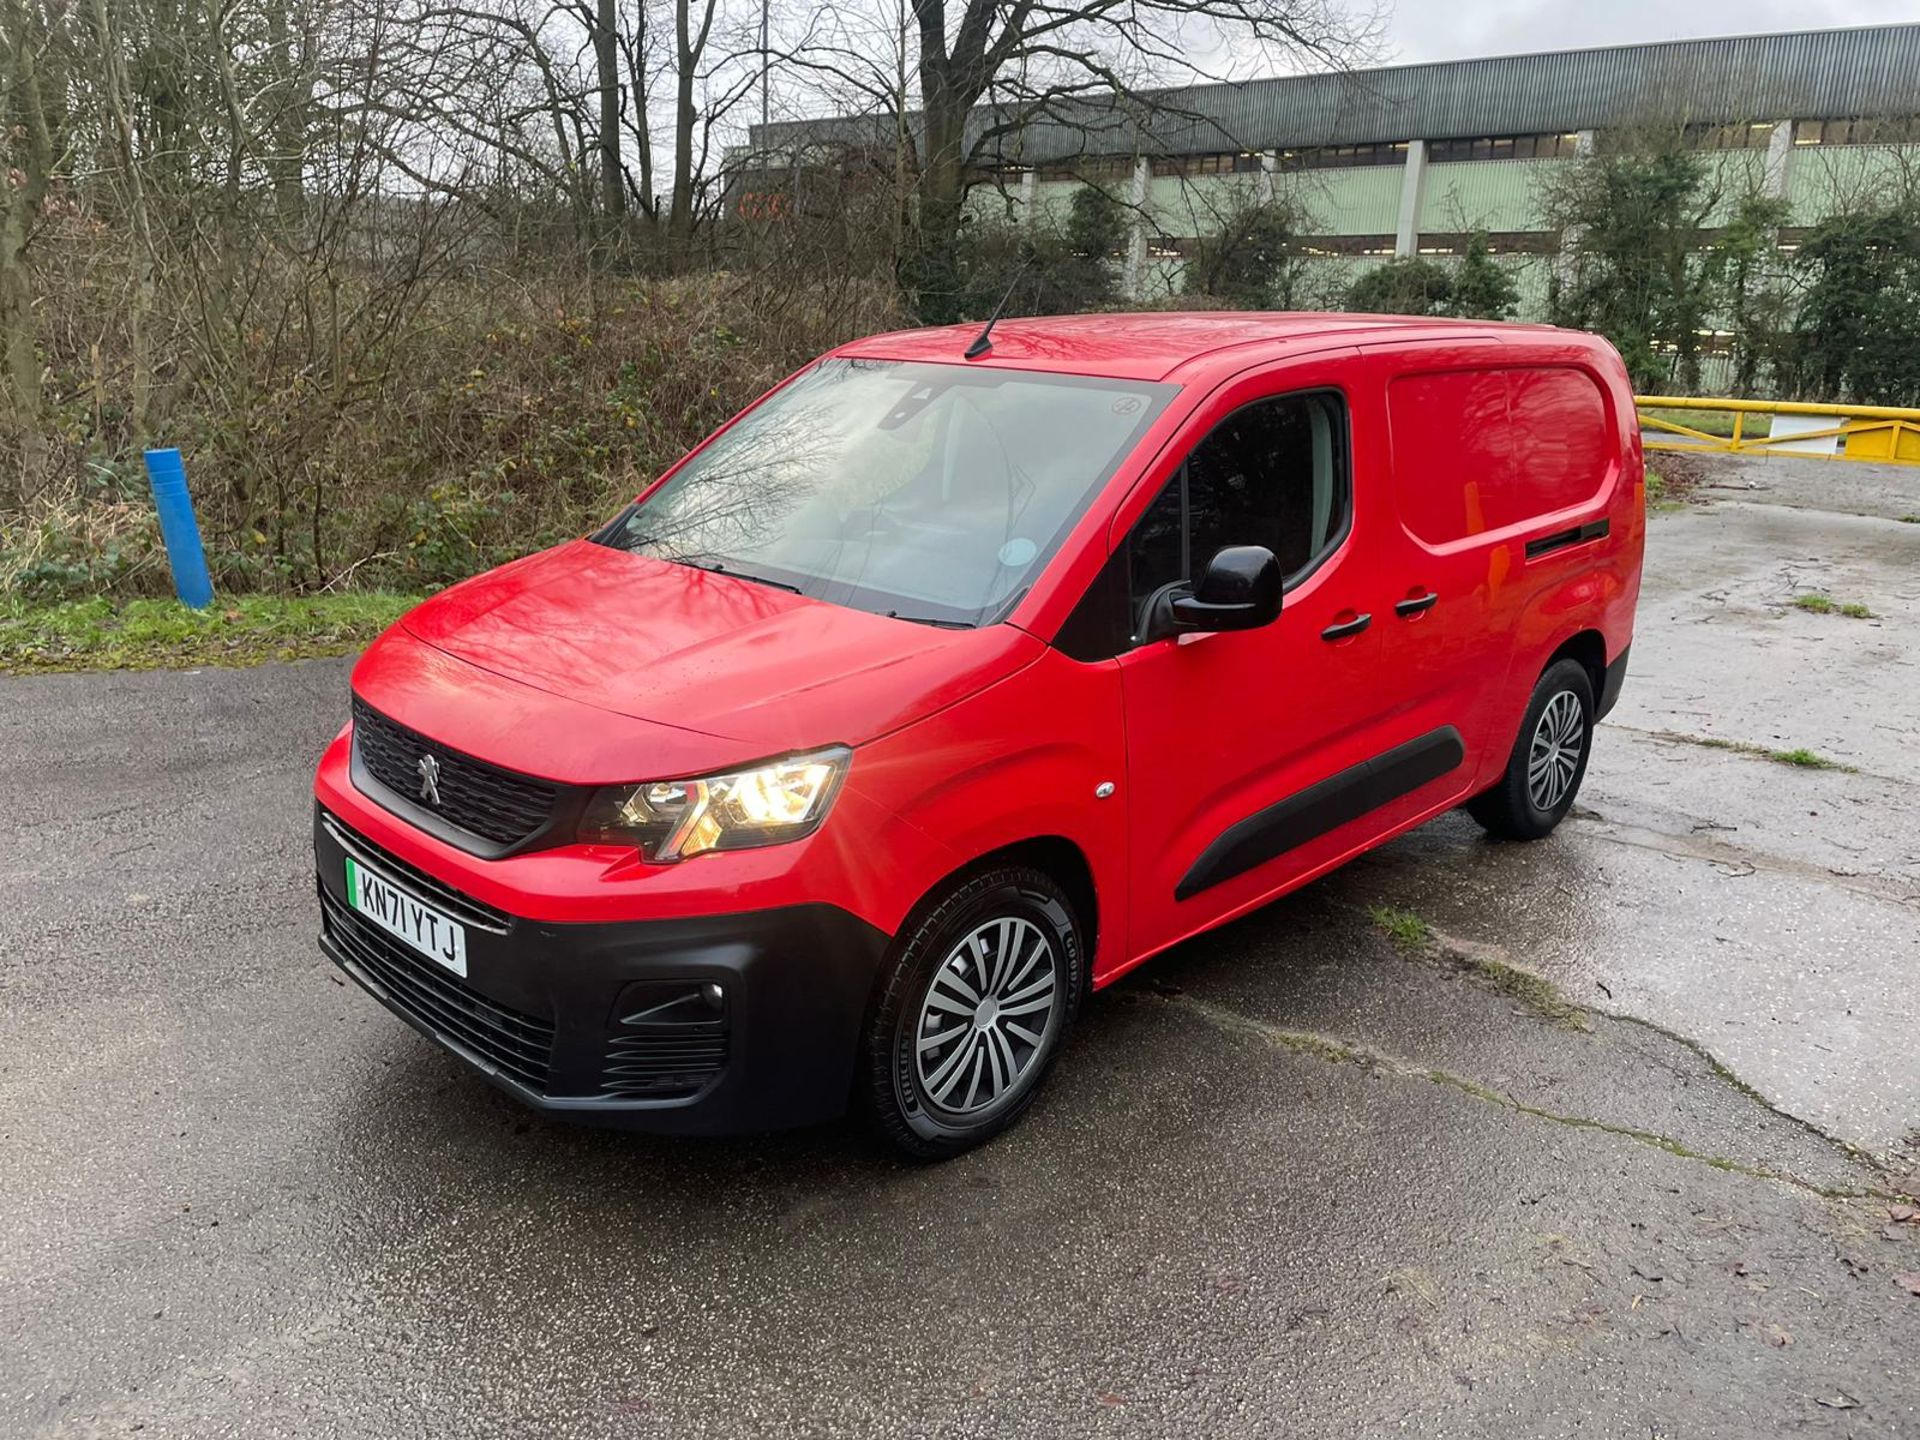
x: 678, y: 819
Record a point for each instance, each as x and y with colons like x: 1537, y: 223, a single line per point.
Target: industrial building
x: 1411, y: 159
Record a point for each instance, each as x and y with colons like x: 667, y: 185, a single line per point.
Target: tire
x: 1524, y: 806
x: 950, y: 961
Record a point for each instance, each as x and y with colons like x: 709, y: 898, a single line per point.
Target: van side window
x: 1273, y: 473
x: 1476, y: 451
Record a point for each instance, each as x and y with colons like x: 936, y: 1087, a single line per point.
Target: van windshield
x: 930, y: 492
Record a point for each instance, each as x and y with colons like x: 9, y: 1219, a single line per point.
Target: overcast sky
x: 1456, y: 29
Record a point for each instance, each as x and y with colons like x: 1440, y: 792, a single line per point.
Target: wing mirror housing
x: 1239, y: 591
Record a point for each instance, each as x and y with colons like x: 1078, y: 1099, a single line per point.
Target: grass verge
x: 97, y: 634
x: 1712, y: 422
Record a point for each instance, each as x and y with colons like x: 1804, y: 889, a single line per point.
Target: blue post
x: 179, y: 529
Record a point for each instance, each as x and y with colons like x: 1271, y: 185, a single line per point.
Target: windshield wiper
x: 927, y: 620
x: 718, y: 569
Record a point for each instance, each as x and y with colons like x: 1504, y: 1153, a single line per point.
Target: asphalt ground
x: 1616, y: 1151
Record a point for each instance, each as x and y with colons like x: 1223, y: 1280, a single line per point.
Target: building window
x: 1091, y: 169
x: 1859, y: 130
x: 1324, y: 246
x: 1749, y: 135
x: 1340, y: 157
x: 1238, y: 162
x: 1561, y: 145
x: 1499, y: 242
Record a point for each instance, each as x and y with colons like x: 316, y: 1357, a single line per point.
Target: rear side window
x: 1561, y: 449
x: 1273, y: 473
x: 1480, y: 450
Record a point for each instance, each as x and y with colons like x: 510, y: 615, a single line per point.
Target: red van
x: 953, y: 680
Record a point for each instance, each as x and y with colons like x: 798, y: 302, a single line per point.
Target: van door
x: 1246, y: 750
x: 1451, y: 448
x: 1486, y: 451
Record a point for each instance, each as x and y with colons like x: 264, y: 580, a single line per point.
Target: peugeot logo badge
x: 429, y: 768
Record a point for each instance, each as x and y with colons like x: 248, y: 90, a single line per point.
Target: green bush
x: 1403, y: 287
x: 1249, y: 262
x: 1857, y: 332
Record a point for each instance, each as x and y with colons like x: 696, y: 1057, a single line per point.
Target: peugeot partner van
x: 961, y: 674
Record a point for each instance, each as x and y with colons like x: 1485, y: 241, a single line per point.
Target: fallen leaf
x: 1107, y: 1397
x: 1908, y: 1280
x: 1740, y: 1268
x: 1841, y: 1401
x: 1857, y: 1266
x: 1904, y: 1214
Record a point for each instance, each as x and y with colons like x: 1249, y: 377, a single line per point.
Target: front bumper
x: 615, y: 1023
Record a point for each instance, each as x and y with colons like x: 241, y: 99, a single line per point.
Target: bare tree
x: 1081, y: 63
x: 692, y: 30
x: 26, y: 171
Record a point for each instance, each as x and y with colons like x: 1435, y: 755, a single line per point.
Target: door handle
x: 1418, y: 605
x: 1346, y: 628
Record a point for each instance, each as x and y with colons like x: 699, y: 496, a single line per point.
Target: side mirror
x: 1239, y: 591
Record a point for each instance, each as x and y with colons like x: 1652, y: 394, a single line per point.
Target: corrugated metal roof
x: 1870, y: 70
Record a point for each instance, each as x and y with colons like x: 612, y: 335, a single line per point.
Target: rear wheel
x: 1549, y: 758
x: 987, y: 980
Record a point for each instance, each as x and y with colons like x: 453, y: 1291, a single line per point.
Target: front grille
x: 518, y: 1043
x: 502, y: 806
x: 670, y: 1041
x: 462, y: 906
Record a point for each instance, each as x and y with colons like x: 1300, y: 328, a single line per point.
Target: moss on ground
x: 1533, y: 990
x: 1799, y: 755
x: 1817, y: 604
x: 1403, y: 927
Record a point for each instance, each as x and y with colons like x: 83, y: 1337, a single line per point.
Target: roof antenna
x: 983, y: 342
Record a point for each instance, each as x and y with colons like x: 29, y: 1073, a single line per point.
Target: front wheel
x: 1549, y: 758
x: 986, y: 981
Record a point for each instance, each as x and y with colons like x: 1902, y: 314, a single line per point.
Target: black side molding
x: 1560, y: 539
x: 1270, y: 833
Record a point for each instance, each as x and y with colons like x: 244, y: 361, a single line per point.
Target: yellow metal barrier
x: 1859, y: 432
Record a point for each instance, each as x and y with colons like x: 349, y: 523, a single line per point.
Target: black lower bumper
x: 1615, y: 677
x: 720, y: 1024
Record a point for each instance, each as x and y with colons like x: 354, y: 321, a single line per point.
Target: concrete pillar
x: 1413, y: 184
x: 1136, y: 272
x: 1269, y: 167
x: 1029, y: 193
x: 1583, y: 143
x: 1779, y: 148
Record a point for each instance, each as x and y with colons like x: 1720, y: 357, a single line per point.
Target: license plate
x: 441, y: 939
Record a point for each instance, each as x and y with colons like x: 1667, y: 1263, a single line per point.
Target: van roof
x: 1151, y: 345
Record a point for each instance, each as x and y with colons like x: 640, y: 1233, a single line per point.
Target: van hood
x: 699, y: 651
